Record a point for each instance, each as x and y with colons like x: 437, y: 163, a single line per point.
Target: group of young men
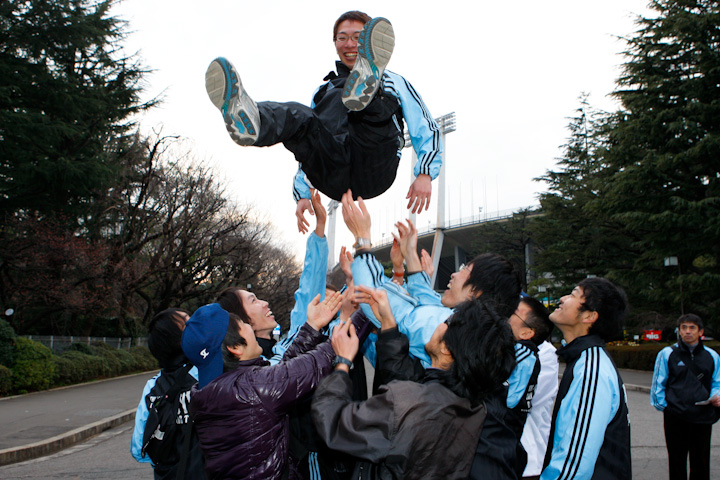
x: 466, y: 384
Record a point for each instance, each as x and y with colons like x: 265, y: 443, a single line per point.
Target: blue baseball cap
x: 202, y: 341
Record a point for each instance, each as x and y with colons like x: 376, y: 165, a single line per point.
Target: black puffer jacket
x: 241, y: 417
x: 408, y: 430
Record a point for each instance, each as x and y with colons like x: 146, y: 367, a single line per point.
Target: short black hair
x: 165, y: 338
x: 498, y: 281
x: 232, y: 339
x: 483, y: 350
x: 538, y: 319
x: 355, y: 15
x: 610, y: 303
x: 230, y: 301
x: 690, y: 318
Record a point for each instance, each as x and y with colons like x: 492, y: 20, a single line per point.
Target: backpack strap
x: 187, y: 429
x: 691, y: 364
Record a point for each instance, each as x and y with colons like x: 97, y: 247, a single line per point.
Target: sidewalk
x: 42, y: 423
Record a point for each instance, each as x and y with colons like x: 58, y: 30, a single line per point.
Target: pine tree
x: 66, y: 91
x: 574, y: 238
x: 664, y: 157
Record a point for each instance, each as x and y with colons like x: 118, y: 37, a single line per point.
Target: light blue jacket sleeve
x: 312, y: 282
x: 301, y: 185
x: 141, y: 416
x: 367, y: 271
x: 368, y: 349
x: 417, y: 322
x: 424, y: 131
x: 590, y: 404
x: 517, y: 383
x: 659, y: 380
x: 418, y: 285
x: 715, y: 388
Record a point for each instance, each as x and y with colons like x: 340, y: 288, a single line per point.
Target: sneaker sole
x: 375, y: 48
x: 224, y: 88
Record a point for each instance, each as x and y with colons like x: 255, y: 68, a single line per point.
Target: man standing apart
x: 590, y: 432
x: 686, y: 374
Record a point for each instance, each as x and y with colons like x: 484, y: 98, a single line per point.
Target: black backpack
x: 169, y: 419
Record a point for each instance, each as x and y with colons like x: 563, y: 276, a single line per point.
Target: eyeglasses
x: 343, y: 38
x: 523, y: 321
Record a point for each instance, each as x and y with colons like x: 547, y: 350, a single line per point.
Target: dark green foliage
x: 640, y: 357
x: 80, y: 347
x: 5, y: 381
x: 636, y: 358
x: 641, y: 185
x: 509, y: 238
x: 144, y: 360
x: 33, y: 369
x: 66, y: 91
x: 665, y: 159
x: 67, y: 371
x: 7, y: 337
x: 111, y: 363
x: 86, y: 367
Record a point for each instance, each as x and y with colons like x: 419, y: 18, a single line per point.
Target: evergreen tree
x: 574, y: 239
x: 66, y: 92
x: 663, y: 164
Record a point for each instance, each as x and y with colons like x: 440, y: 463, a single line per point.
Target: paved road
x: 107, y: 456
x: 36, y: 417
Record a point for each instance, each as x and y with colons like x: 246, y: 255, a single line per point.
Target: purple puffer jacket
x: 241, y: 417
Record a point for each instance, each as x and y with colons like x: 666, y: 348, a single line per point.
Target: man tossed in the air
x: 353, y: 134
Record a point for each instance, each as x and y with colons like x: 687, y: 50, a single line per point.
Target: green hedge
x: 5, y: 381
x: 34, y: 368
x: 7, y: 342
x: 640, y: 357
x: 143, y: 359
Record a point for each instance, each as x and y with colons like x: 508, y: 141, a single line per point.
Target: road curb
x: 637, y: 388
x: 60, y: 442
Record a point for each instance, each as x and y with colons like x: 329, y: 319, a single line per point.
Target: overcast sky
x: 511, y: 71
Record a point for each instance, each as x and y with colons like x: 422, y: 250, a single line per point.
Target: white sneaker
x: 375, y: 46
x: 240, y: 112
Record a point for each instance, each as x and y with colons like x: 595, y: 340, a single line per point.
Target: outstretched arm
x: 407, y: 239
x: 397, y: 259
x: 419, y: 193
x: 302, y: 195
x: 320, y: 213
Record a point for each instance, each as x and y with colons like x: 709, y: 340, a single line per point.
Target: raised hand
x: 320, y: 212
x: 427, y: 263
x: 379, y: 303
x: 419, y: 193
x: 346, y: 260
x: 302, y: 205
x: 319, y: 314
x: 356, y: 216
x: 345, y: 342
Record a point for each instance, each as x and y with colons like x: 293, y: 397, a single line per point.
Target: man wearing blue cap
x: 241, y: 403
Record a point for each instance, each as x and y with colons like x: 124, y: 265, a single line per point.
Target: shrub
x: 7, y: 337
x: 127, y: 363
x: 67, y: 372
x: 144, y: 360
x: 5, y: 381
x: 80, y: 347
x: 33, y: 369
x: 86, y: 367
x: 111, y: 364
